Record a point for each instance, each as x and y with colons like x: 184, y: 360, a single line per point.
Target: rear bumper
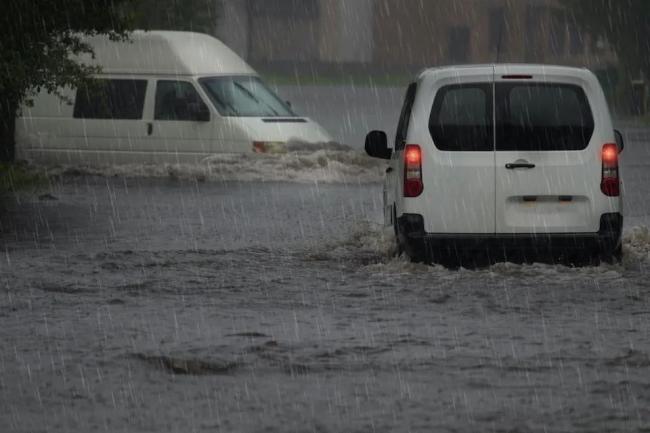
x: 428, y: 246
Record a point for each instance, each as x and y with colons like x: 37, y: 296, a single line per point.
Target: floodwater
x: 199, y: 300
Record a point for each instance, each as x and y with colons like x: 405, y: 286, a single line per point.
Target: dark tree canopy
x: 625, y: 24
x: 37, y: 39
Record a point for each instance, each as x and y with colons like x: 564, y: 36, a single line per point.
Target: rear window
x: 110, y: 99
x: 542, y: 117
x: 461, y: 119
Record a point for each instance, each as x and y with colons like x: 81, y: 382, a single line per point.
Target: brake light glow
x: 413, y: 185
x: 610, y: 184
x: 269, y: 147
x: 610, y: 154
x: 413, y: 155
x: 259, y: 147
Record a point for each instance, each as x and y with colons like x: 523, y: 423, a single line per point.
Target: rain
x: 194, y: 236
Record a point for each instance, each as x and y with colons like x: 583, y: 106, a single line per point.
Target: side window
x: 542, y: 117
x: 461, y: 118
x: 177, y: 100
x: 110, y: 99
x: 405, y: 117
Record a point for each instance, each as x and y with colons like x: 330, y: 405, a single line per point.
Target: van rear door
x: 547, y: 163
x: 458, y: 153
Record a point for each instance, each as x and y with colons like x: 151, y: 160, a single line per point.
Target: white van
x: 162, y: 97
x: 508, y: 162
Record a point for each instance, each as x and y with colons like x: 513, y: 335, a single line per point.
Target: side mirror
x: 619, y: 140
x: 377, y: 145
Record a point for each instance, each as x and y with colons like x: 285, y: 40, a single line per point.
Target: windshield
x: 244, y: 96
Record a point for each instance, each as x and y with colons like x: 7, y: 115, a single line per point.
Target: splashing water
x: 636, y: 243
x: 373, y: 240
x: 325, y: 165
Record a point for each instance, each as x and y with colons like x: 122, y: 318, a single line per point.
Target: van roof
x: 511, y: 68
x: 165, y: 52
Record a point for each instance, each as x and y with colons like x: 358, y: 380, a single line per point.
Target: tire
x: 612, y: 257
x: 618, y: 254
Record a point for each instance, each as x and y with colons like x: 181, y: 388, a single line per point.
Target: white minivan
x: 504, y: 162
x: 161, y: 97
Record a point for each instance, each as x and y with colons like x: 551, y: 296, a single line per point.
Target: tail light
x: 269, y: 147
x: 259, y: 147
x: 610, y: 184
x: 413, y: 185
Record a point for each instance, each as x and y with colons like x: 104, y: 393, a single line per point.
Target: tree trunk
x: 8, y: 110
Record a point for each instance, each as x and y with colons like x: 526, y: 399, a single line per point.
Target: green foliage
x: 625, y: 24
x: 186, y: 15
x: 16, y: 177
x: 37, y: 39
x: 40, y: 38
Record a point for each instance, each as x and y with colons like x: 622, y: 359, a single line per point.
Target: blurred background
x: 385, y: 42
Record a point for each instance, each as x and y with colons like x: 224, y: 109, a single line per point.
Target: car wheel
x: 613, y: 256
x: 618, y: 254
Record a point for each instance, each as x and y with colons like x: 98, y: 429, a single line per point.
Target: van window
x: 244, y: 96
x: 177, y: 100
x: 461, y: 119
x: 542, y: 117
x: 110, y: 99
x: 405, y: 117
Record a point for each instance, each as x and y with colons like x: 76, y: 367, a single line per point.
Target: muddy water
x: 171, y: 305
x: 188, y: 301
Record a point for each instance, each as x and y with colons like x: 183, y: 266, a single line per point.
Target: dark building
x: 403, y: 36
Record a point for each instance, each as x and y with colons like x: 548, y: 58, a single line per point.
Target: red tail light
x: 413, y: 185
x: 610, y: 184
x: 259, y: 147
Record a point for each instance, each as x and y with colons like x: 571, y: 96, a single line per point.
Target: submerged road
x: 179, y: 305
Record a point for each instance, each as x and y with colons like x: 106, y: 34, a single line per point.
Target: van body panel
x: 49, y: 128
x: 299, y: 129
x: 165, y: 53
x: 561, y: 194
x: 458, y: 192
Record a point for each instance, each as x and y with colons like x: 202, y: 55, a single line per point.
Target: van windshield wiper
x: 228, y: 105
x: 254, y: 98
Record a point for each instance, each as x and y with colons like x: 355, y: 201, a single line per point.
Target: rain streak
x: 196, y: 238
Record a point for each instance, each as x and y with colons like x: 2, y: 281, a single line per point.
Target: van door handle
x: 149, y: 128
x: 515, y: 165
x: 389, y: 170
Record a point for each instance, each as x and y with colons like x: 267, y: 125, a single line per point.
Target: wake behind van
x: 161, y: 97
x: 505, y: 162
